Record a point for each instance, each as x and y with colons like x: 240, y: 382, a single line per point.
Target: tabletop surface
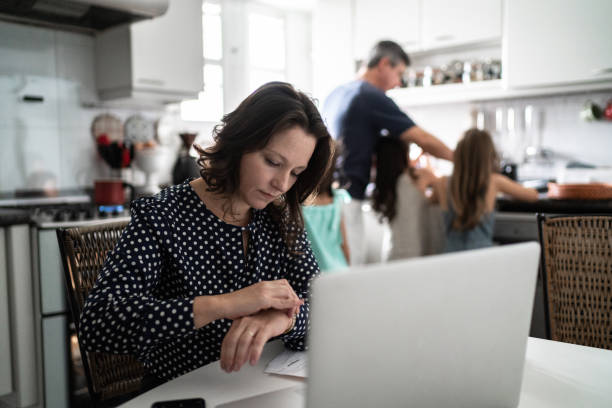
x: 555, y: 375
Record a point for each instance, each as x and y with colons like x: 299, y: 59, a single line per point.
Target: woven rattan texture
x: 578, y: 264
x: 86, y: 248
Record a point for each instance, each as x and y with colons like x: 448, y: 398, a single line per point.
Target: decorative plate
x: 138, y: 129
x: 107, y: 124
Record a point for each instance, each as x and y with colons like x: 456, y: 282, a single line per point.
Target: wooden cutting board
x: 588, y: 191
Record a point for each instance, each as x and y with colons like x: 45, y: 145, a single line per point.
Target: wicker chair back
x: 577, y: 266
x: 84, y: 249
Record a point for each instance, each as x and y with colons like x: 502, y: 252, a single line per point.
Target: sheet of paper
x: 291, y: 363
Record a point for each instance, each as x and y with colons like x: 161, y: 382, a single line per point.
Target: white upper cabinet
x: 423, y: 25
x: 449, y: 23
x: 396, y: 20
x: 159, y: 59
x: 550, y: 42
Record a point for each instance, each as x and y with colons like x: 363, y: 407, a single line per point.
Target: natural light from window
x: 209, y: 105
x: 266, y: 49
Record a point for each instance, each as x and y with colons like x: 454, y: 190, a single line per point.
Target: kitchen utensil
x: 116, y: 154
x: 608, y: 110
x: 150, y: 160
x: 138, y: 129
x: 109, y: 125
x: 509, y: 169
x: 591, y: 111
x: 112, y: 192
x: 186, y: 165
x: 589, y: 191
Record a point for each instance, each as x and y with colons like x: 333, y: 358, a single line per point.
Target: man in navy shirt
x: 357, y: 114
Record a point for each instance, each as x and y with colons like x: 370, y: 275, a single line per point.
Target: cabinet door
x: 450, y: 22
x: 55, y: 361
x: 397, y: 20
x: 52, y: 286
x: 6, y: 375
x: 167, y: 51
x: 551, y: 42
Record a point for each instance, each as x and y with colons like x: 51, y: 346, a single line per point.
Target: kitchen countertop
x: 13, y: 216
x: 547, y: 205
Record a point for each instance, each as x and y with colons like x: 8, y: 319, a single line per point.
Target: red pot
x: 110, y: 192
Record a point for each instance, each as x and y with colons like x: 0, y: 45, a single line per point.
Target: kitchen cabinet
x: 419, y: 25
x: 549, y: 43
x: 396, y: 20
x: 447, y: 23
x: 156, y: 60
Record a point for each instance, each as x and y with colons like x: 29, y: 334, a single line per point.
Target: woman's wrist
x: 291, y: 324
x: 207, y: 309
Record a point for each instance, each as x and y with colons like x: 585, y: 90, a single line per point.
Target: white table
x: 556, y: 375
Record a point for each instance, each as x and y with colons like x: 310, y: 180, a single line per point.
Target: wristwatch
x: 292, y: 325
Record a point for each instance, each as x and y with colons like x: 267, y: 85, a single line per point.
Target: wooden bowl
x: 589, y: 191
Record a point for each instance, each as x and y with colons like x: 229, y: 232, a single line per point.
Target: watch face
x: 138, y: 129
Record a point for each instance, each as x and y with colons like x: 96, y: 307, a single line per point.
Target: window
x: 209, y: 105
x: 266, y: 49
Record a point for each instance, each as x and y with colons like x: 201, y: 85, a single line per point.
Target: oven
x: 45, y: 362
x: 63, y: 378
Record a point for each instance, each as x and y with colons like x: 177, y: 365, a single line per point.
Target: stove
x: 77, y: 215
x: 45, y: 372
x: 66, y: 208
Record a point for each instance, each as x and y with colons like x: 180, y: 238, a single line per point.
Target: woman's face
x: 270, y: 172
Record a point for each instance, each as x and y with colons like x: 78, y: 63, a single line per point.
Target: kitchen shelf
x: 483, y: 91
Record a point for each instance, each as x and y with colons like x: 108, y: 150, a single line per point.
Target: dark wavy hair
x: 474, y: 160
x: 391, y: 162
x: 272, y: 108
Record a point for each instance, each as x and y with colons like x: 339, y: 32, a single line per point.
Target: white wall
x: 331, y: 45
x: 563, y: 132
x: 49, y: 144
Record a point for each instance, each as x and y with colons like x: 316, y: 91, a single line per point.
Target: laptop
x: 441, y: 331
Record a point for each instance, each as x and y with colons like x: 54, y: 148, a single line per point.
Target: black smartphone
x: 181, y: 403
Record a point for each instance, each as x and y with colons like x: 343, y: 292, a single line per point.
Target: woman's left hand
x: 248, y: 335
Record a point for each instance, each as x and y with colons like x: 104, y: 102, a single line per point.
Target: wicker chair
x: 111, y: 378
x: 577, y: 269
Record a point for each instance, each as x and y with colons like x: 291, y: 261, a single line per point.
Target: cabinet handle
x: 33, y: 98
x: 602, y: 71
x: 149, y: 81
x: 444, y: 37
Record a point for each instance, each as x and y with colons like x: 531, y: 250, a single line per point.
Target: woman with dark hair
x: 215, y: 267
x: 468, y: 197
x: 415, y: 226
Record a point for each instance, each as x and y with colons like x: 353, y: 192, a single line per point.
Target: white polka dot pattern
x: 173, y: 250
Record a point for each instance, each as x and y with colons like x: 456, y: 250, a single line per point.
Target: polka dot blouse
x: 173, y: 250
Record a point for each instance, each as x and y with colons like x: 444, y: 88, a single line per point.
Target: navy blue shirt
x: 357, y: 114
x: 173, y: 250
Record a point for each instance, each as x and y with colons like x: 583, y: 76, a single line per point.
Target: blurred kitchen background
x: 54, y: 82
x: 99, y: 105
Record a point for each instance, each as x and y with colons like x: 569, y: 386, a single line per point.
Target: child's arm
x: 505, y: 185
x: 426, y: 178
x: 345, y: 247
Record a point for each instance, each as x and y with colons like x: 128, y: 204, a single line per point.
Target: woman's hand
x: 248, y: 335
x: 277, y: 294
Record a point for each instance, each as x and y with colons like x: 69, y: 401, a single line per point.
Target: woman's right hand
x: 277, y: 294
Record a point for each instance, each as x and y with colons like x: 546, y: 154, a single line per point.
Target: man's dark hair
x: 272, y: 108
x: 389, y: 49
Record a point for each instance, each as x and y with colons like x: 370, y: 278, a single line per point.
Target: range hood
x: 83, y: 15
